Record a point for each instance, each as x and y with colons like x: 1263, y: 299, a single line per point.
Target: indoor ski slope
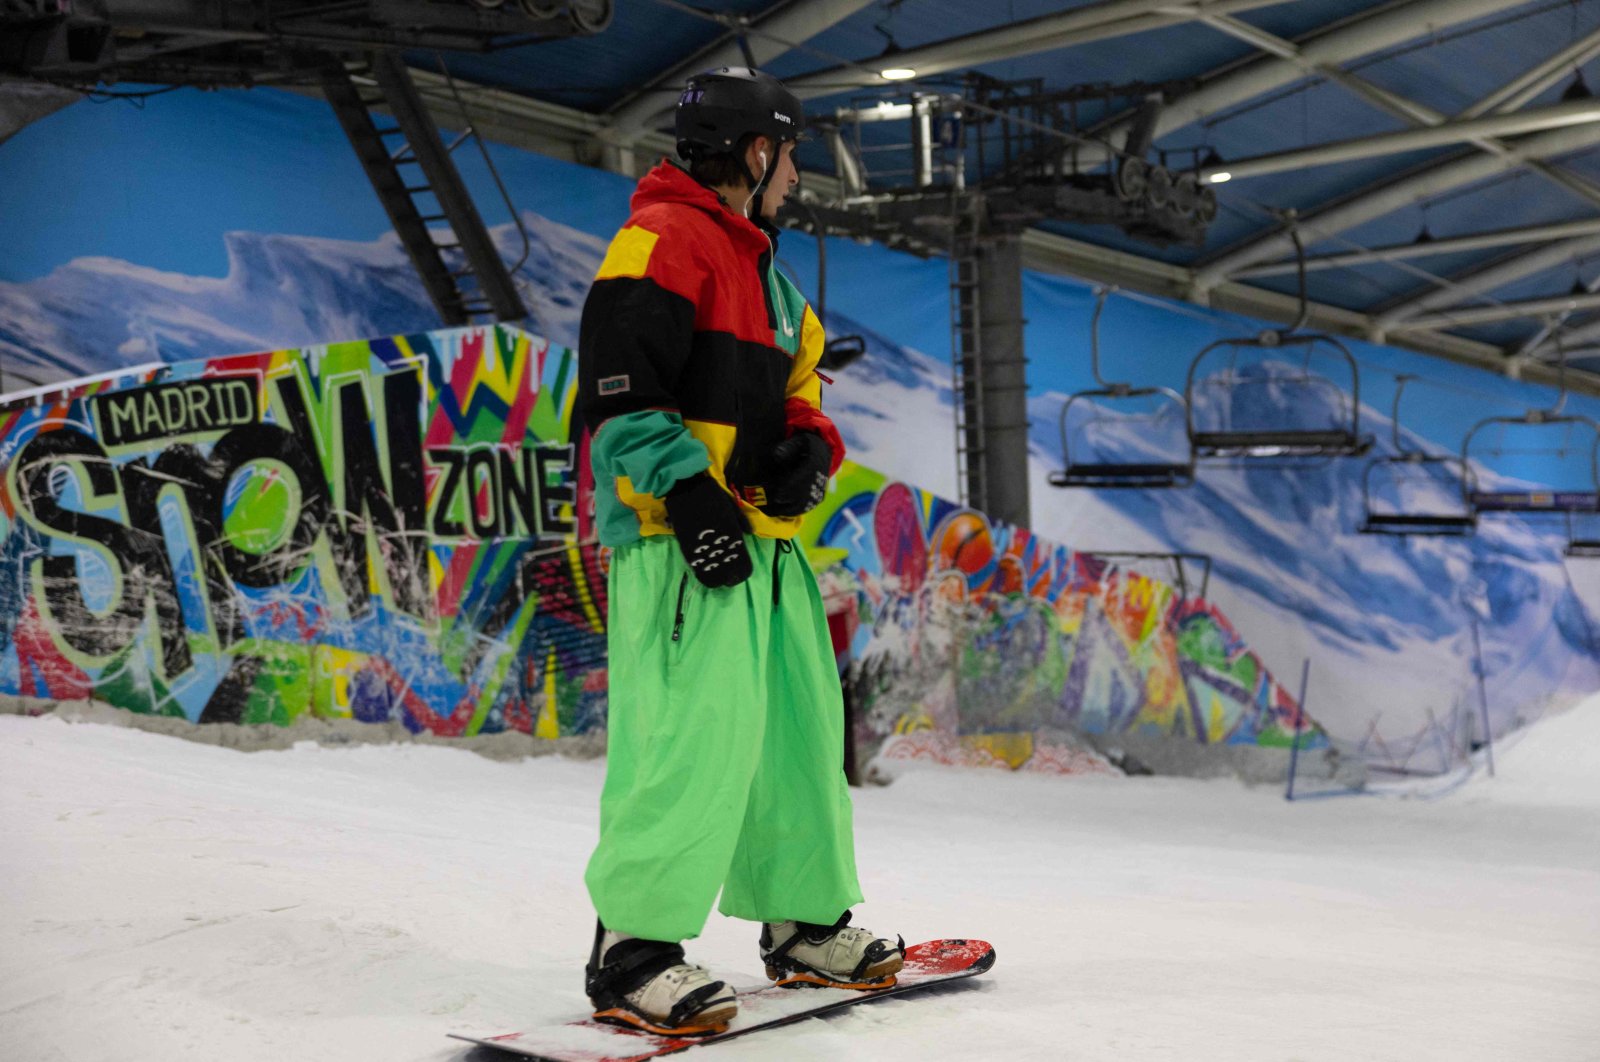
x: 166, y: 901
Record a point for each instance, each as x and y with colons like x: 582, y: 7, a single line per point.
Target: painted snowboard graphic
x: 932, y: 963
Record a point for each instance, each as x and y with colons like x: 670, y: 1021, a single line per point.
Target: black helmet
x: 721, y: 107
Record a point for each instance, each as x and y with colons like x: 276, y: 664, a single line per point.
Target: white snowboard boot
x: 645, y: 984
x: 836, y: 956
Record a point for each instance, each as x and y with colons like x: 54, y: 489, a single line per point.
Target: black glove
x: 800, y: 466
x: 710, y: 531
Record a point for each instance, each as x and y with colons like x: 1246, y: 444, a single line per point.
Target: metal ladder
x: 966, y: 347
x: 419, y: 186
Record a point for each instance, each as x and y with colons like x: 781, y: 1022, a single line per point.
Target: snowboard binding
x: 805, y: 954
x: 646, y: 985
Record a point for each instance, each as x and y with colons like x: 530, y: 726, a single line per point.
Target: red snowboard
x: 933, y: 963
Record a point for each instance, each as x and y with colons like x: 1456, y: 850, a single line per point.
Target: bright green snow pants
x: 725, y: 749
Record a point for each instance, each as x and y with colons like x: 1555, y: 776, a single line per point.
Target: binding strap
x: 693, y: 1003
x: 629, y: 964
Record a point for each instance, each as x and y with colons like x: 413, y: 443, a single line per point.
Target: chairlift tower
x: 990, y: 378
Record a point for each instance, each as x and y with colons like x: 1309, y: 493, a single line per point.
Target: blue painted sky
x: 158, y: 186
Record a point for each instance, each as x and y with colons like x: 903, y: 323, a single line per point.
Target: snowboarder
x: 697, y: 377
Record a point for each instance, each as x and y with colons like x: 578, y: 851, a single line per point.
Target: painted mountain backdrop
x: 1387, y: 623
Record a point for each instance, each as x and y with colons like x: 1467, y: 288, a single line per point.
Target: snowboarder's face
x: 785, y: 174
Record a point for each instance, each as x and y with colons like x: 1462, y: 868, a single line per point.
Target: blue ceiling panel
x: 1307, y: 189
x: 1445, y: 69
x: 1550, y: 283
x: 1511, y: 200
x: 1157, y: 55
x: 1450, y: 71
x: 1501, y: 334
x: 1354, y: 287
x: 1295, y: 20
x: 590, y: 73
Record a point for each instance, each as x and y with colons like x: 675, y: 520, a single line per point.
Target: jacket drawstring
x: 784, y: 546
x: 677, y: 618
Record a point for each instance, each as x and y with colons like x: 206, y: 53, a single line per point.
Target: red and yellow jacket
x: 694, y: 355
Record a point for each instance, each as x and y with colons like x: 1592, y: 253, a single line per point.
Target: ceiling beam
x: 1362, y: 35
x: 1081, y: 25
x: 770, y: 34
x: 1520, y: 90
x: 1428, y: 248
x: 1558, y: 116
x: 1419, y: 114
x: 1525, y: 86
x: 1393, y: 193
x: 1555, y: 340
x: 567, y: 133
x: 1443, y: 292
x: 1474, y: 315
x: 1484, y: 279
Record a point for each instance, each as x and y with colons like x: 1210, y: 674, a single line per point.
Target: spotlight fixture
x: 1219, y: 178
x: 897, y: 73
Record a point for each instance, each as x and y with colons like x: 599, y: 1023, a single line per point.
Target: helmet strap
x: 759, y: 186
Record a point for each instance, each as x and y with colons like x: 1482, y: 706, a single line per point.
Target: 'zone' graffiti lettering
x: 504, y: 492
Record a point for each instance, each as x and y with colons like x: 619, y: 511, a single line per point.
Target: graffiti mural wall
x: 385, y: 530
x: 1482, y: 633
x: 973, y: 642
x: 373, y: 530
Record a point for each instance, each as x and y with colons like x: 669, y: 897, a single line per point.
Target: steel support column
x: 1003, y: 382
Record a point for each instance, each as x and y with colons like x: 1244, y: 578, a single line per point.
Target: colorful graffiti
x: 386, y: 530
x: 974, y: 642
x: 372, y: 530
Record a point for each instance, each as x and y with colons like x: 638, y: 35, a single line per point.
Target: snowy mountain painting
x: 96, y: 314
x: 1386, y: 622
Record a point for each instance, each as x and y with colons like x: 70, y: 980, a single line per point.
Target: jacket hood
x: 669, y: 183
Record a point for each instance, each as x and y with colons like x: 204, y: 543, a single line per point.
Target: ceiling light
x: 897, y: 73
x: 1219, y: 178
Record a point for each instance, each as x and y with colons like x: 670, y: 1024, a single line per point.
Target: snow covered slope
x: 168, y: 901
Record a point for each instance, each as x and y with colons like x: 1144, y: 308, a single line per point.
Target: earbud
x: 762, y: 155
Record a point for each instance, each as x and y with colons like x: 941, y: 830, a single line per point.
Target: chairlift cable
x: 494, y: 172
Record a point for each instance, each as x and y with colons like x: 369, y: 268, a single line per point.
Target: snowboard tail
x: 932, y: 963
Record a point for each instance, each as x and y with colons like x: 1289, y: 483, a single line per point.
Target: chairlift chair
x: 1124, y: 474
x: 1583, y: 500
x: 1343, y: 439
x: 1413, y: 464
x: 1582, y: 543
x: 1569, y: 500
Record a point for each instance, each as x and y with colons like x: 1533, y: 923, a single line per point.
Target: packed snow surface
x: 166, y: 900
